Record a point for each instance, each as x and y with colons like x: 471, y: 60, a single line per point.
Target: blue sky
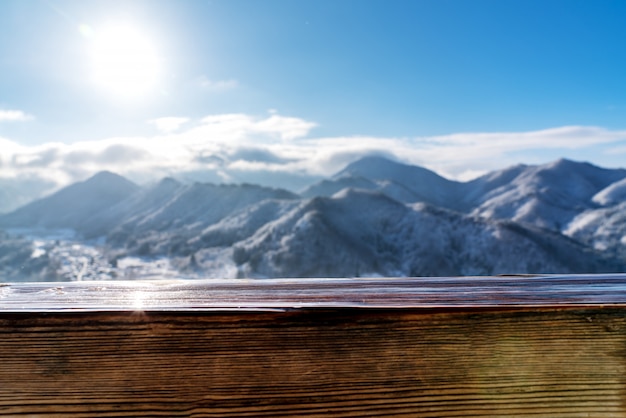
x: 259, y: 89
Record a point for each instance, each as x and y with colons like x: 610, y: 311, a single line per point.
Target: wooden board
x: 506, y: 347
x: 452, y: 292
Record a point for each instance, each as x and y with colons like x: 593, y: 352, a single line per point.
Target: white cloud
x: 210, y: 144
x: 281, y: 149
x: 241, y: 127
x: 168, y: 124
x: 208, y: 84
x: 465, y: 152
x: 568, y: 137
x: 285, y: 128
x: 9, y: 147
x: 14, y: 116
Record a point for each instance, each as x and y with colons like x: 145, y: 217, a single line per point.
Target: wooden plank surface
x: 540, y: 362
x: 544, y: 346
x: 473, y: 292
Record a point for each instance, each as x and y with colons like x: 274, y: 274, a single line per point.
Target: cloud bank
x: 282, y: 151
x: 14, y: 116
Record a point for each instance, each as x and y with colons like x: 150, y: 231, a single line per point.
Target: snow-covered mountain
x: 134, y: 207
x: 242, y: 224
x: 603, y: 229
x: 548, y: 196
x: 402, y: 182
x: 613, y: 194
x: 367, y: 233
x: 71, y: 206
x: 162, y: 219
x: 375, y: 217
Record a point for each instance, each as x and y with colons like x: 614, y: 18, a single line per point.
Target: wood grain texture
x: 545, y: 346
x: 339, y: 362
x: 447, y: 292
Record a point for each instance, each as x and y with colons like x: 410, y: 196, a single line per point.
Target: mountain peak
x: 73, y: 204
x: 369, y: 164
x: 376, y: 167
x: 105, y: 174
x: 108, y: 178
x: 566, y: 164
x: 403, y: 182
x: 168, y: 182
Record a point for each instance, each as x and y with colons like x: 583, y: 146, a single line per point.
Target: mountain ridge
x: 72, y: 204
x: 374, y: 217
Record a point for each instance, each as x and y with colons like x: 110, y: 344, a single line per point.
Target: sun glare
x: 125, y: 61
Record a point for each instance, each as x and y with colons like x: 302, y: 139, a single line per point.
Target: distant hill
x: 405, y: 183
x: 548, y: 196
x: 71, y: 206
x: 17, y: 192
x: 180, y: 213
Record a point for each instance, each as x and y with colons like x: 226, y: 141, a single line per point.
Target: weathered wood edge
x: 452, y: 293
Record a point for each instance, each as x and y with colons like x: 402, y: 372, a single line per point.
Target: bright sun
x: 125, y: 61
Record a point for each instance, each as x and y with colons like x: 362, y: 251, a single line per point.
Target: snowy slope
x: 549, y: 195
x: 613, y: 194
x: 242, y: 224
x: 327, y: 188
x: 205, y: 203
x: 167, y: 227
x: 18, y: 263
x: 402, y: 182
x: 475, y: 191
x: 603, y: 229
x: 71, y: 206
x: 364, y: 233
x: 131, y: 209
